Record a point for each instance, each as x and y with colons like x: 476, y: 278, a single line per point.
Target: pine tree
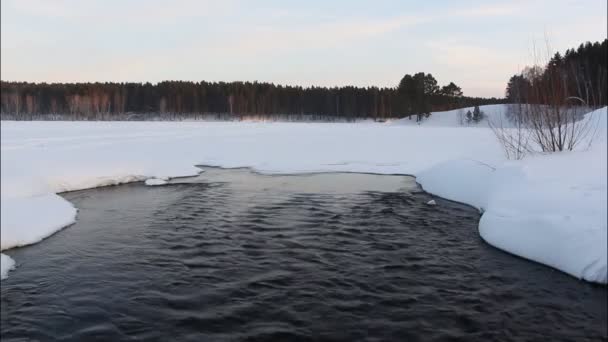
x: 417, y: 95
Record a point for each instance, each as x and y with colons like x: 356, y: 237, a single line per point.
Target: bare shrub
x: 549, y: 114
x: 512, y: 132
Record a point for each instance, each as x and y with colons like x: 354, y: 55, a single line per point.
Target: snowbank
x: 457, y: 118
x: 547, y: 208
x: 462, y: 180
x: 31, y: 219
x: 558, y: 203
x: 155, y: 181
x: 6, y: 264
x: 551, y: 209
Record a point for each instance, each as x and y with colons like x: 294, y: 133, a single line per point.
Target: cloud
x: 464, y: 55
x: 332, y: 33
x: 482, y: 70
x: 269, y: 38
x: 46, y: 8
x: 102, y: 12
x: 279, y: 41
x: 487, y: 11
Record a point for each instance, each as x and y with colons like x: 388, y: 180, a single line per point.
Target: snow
x: 6, y: 264
x: 456, y: 118
x: 463, y: 180
x: 155, y: 181
x: 31, y: 219
x: 558, y: 202
x: 431, y: 202
x: 547, y: 208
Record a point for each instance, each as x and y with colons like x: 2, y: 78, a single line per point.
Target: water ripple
x: 223, y: 262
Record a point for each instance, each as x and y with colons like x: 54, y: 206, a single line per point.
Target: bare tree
x: 549, y: 116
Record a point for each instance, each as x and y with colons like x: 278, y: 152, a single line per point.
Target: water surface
x: 232, y: 255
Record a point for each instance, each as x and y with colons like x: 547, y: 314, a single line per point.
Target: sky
x: 476, y: 44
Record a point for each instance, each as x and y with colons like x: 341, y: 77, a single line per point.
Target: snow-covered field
x: 547, y: 208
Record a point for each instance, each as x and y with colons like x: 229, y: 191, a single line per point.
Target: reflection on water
x: 310, y: 183
x: 233, y: 255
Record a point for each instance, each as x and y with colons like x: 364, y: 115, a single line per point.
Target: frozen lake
x: 233, y: 255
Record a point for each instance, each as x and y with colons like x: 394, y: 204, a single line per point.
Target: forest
x: 415, y: 96
x: 581, y: 75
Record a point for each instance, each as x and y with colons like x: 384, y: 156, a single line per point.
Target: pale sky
x: 475, y: 44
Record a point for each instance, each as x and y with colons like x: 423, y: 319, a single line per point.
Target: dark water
x: 238, y: 256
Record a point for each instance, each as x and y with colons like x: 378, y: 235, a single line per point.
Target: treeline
x: 417, y: 94
x: 581, y: 75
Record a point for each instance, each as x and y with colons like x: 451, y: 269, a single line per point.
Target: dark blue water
x: 238, y: 256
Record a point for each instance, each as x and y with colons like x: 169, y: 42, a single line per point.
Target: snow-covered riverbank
x: 547, y: 208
